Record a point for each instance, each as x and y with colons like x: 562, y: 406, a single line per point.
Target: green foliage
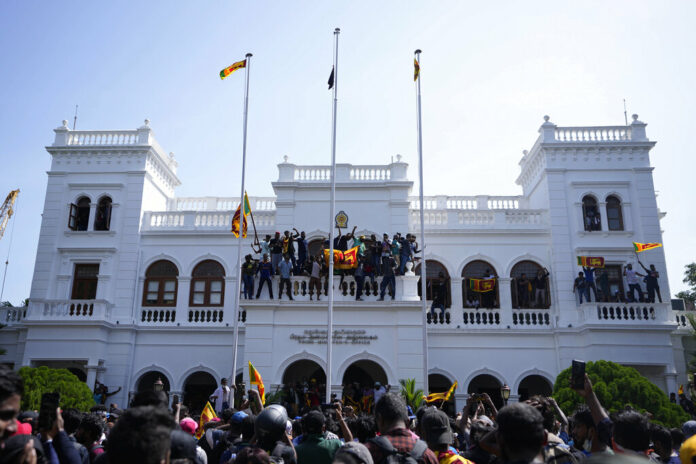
x: 40, y: 380
x: 276, y: 397
x: 412, y: 396
x: 689, y: 278
x: 617, y: 386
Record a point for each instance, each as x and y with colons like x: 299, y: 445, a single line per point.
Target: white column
x: 456, y: 291
x: 91, y: 375
x: 182, y: 298
x: 92, y: 215
x: 505, y: 301
x: 603, y: 216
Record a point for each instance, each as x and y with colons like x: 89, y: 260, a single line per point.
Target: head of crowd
x: 150, y: 431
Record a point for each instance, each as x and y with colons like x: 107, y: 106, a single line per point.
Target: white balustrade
x: 481, y: 318
x: 312, y: 174
x: 531, y: 318
x: 92, y: 138
x: 593, y: 134
x: 370, y: 173
x: 476, y: 218
x: 221, y: 204
x: 10, y: 315
x: 77, y: 310
x: 194, y: 316
x: 503, y: 203
x: 625, y: 313
x: 202, y: 220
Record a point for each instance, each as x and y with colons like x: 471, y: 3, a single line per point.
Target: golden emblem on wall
x: 342, y: 219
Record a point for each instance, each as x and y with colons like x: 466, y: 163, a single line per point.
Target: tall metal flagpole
x: 423, y: 271
x: 241, y: 225
x: 329, y: 329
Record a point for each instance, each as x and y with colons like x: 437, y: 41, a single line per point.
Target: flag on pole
x: 590, y: 261
x: 331, y: 79
x: 343, y: 259
x: 237, y: 214
x: 481, y: 285
x: 639, y: 247
x: 207, y: 415
x: 681, y: 390
x: 232, y: 68
x: 416, y: 70
x: 444, y: 396
x: 255, y: 379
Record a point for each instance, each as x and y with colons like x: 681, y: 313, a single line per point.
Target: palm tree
x: 412, y: 396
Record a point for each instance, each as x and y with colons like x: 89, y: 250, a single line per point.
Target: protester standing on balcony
x: 651, y: 282
x: 289, y: 246
x: 395, y: 249
x: 579, y: 286
x: 314, y: 278
x: 276, y: 245
x: 603, y: 281
x: 589, y: 283
x: 359, y: 278
x: 302, y: 249
x: 388, y: 279
x: 439, y: 293
x: 375, y: 254
x: 385, y: 246
x: 264, y: 247
x: 360, y: 243
x: 285, y: 268
x: 633, y: 283
x: 405, y: 253
x: 540, y: 284
x: 265, y: 268
x: 523, y: 291
x: 248, y: 272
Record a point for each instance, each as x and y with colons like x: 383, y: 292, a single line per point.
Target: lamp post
x: 505, y: 393
x: 159, y: 385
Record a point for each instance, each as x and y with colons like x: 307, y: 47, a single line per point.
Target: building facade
x: 133, y: 283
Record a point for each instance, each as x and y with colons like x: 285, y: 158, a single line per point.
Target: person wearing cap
x: 315, y: 448
x: 689, y: 429
x: 360, y: 243
x: 270, y: 430
x: 353, y: 453
x: 437, y: 433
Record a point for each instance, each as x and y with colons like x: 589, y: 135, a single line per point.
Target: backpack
x: 393, y: 456
x: 557, y: 453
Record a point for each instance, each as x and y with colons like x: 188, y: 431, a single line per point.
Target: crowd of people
x: 590, y: 278
x: 149, y: 432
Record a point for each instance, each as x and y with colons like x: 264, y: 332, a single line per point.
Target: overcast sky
x: 490, y: 71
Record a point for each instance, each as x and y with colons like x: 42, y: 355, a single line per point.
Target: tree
x: 412, y: 396
x: 689, y: 278
x: 617, y: 386
x: 40, y: 380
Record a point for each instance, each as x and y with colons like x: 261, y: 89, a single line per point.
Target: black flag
x: 331, y: 79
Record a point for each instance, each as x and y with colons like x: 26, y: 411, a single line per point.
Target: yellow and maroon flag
x: 343, y: 259
x: 416, y: 70
x: 481, y: 285
x: 444, y: 396
x: 236, y: 217
x: 639, y: 247
x: 591, y: 261
x: 255, y: 379
x: 207, y: 415
x: 681, y: 390
x: 232, y: 68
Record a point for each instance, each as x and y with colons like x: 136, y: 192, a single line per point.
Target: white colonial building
x: 133, y: 283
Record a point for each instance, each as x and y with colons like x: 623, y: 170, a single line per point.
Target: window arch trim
x: 207, y: 290
x: 614, y: 212
x: 161, y: 290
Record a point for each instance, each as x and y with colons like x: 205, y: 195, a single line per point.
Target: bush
x: 40, y: 380
x: 617, y: 386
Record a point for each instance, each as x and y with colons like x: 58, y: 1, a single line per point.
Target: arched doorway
x: 533, y: 385
x: 523, y: 285
x: 304, y: 384
x: 197, y: 389
x: 433, y: 269
x: 366, y: 373
x: 148, y: 379
x: 471, y: 298
x: 486, y: 383
x: 304, y: 371
x: 438, y: 383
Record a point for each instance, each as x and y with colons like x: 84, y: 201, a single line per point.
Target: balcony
x: 69, y: 310
x: 627, y: 313
x: 10, y: 315
x: 188, y: 317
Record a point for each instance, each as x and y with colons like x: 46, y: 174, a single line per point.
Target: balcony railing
x: 626, y: 313
x: 190, y: 317
x: 199, y: 220
x: 10, y: 315
x: 225, y: 204
x: 504, y: 219
x: 72, y: 310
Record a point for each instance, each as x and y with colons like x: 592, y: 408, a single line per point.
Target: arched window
x: 160, y: 284
x: 529, y: 286
x: 433, y: 270
x: 477, y: 299
x: 102, y: 221
x: 590, y: 214
x: 614, y: 214
x: 79, y: 214
x: 314, y: 246
x: 207, y: 284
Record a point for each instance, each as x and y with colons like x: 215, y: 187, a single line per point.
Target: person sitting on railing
x: 276, y: 245
x: 633, y: 283
x: 579, y: 286
x: 314, y: 277
x: 523, y: 291
x: 540, y: 284
x: 388, y: 279
x: 302, y: 249
x: 285, y: 268
x: 265, y: 268
x: 359, y: 278
x: 439, y: 292
x: 248, y: 272
x: 589, y: 283
x: 651, y: 282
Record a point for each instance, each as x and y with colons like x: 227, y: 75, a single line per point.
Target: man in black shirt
x: 276, y: 245
x: 439, y: 294
x: 651, y: 282
x: 388, y: 279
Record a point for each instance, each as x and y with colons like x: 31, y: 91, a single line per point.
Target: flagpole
x: 241, y: 226
x: 423, y: 271
x: 329, y: 329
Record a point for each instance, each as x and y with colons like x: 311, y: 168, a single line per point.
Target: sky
x: 490, y: 72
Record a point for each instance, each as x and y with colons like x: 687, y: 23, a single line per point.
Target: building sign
x: 340, y: 337
x: 342, y: 219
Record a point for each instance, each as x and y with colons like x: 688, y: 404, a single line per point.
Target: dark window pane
x: 162, y: 268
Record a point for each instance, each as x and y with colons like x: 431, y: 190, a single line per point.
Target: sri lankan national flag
x: 444, y: 396
x: 481, y: 285
x: 591, y: 261
x: 207, y: 415
x: 645, y: 246
x: 255, y: 379
x: 232, y: 68
x: 416, y: 70
x: 343, y: 259
x: 237, y: 214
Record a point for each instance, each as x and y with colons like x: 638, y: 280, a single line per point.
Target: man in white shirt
x: 633, y: 283
x: 222, y: 396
